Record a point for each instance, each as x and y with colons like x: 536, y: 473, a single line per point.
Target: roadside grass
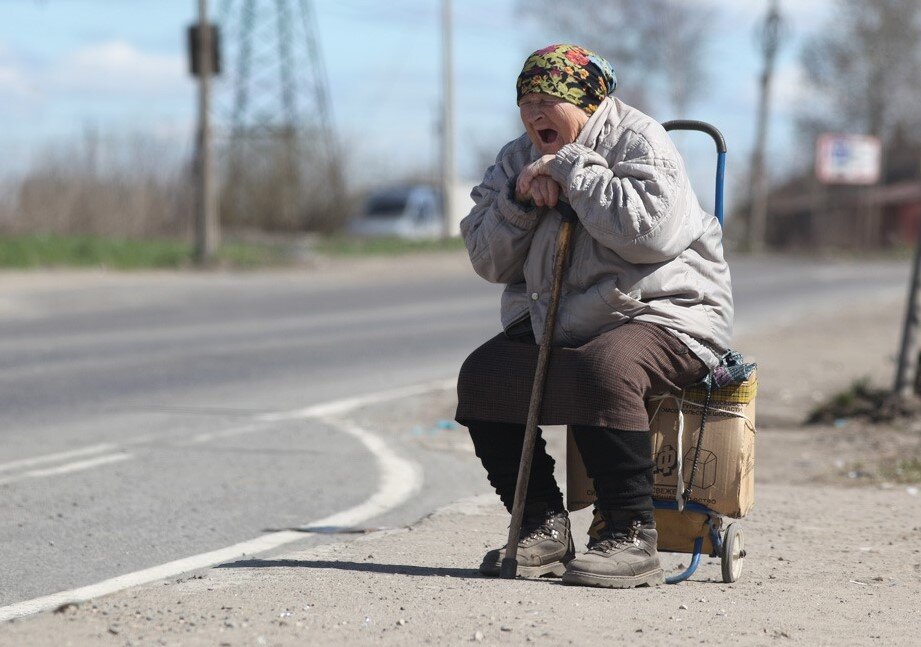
x: 898, y: 471
x: 341, y: 245
x: 49, y: 251
x: 40, y: 251
x: 859, y: 400
x: 871, y: 406
x: 905, y: 470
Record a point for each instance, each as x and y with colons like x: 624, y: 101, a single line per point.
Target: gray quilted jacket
x: 643, y: 249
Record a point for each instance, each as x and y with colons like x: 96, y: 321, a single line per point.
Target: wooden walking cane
x: 509, y: 567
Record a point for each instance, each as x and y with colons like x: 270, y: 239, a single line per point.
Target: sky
x: 119, y: 67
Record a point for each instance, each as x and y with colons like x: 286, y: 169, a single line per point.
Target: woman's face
x: 551, y: 123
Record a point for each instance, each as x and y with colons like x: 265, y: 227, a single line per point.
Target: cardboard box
x: 725, y: 475
x: 678, y: 531
x: 725, y: 478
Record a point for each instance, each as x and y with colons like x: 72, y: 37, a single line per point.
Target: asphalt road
x: 139, y: 410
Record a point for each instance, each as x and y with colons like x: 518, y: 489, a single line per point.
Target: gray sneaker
x: 544, y: 547
x: 621, y: 559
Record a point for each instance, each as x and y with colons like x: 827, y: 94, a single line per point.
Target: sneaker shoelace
x: 617, y: 539
x: 539, y: 528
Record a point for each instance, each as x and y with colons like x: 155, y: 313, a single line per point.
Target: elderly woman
x: 646, y: 307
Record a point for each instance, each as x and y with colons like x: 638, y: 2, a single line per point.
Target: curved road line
x: 400, y: 478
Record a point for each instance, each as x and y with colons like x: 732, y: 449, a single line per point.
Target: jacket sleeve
x: 498, y: 230
x: 636, y: 206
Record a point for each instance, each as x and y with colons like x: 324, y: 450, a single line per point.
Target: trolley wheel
x: 733, y: 553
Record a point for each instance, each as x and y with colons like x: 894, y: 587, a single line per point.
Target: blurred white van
x: 412, y: 212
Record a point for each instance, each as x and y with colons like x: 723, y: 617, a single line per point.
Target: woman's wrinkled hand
x: 535, y: 184
x: 545, y: 192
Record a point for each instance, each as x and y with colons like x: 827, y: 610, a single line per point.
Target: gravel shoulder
x: 831, y: 559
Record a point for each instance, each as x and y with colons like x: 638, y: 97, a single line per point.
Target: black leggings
x: 619, y: 462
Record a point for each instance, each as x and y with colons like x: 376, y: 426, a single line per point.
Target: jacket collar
x: 608, y: 111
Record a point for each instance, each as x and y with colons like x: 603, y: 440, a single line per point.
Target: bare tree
x: 867, y: 63
x: 656, y: 46
x: 101, y: 185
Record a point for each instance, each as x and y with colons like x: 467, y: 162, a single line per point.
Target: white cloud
x: 14, y: 83
x: 11, y: 82
x: 117, y: 69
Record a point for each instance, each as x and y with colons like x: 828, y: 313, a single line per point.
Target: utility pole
x: 207, y: 227
x: 907, y: 361
x: 448, y: 183
x: 769, y: 38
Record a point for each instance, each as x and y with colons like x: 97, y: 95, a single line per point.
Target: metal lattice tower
x: 281, y: 147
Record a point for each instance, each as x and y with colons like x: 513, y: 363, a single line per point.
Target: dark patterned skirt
x: 603, y: 383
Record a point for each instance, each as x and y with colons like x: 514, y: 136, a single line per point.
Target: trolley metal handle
x: 720, y: 141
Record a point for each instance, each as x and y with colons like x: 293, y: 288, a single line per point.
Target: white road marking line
x: 208, y: 436
x: 68, y: 468
x: 60, y: 456
x: 336, y: 407
x: 399, y: 480
x: 339, y: 407
x: 80, y: 465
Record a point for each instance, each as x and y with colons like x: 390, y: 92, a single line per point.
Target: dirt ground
x: 834, y: 546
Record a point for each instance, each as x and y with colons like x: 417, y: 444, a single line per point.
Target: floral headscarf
x: 569, y: 72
